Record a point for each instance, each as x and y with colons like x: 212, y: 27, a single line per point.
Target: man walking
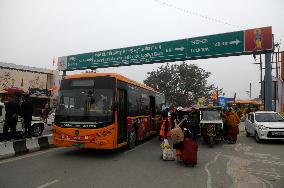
x: 11, y: 117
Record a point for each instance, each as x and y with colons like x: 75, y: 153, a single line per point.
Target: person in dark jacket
x: 27, y: 113
x: 12, y: 109
x: 194, y: 121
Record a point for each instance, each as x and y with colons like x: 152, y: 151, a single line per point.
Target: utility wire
x: 198, y: 14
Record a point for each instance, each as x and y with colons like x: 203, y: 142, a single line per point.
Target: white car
x: 264, y: 125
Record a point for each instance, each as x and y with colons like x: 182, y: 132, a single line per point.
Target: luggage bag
x: 189, y: 152
x: 177, y: 135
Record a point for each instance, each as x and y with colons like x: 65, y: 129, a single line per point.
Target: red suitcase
x: 189, y: 152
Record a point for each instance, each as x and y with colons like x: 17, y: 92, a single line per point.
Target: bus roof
x: 117, y: 76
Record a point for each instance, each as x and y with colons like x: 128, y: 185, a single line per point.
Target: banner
x: 22, y: 79
x: 259, y: 39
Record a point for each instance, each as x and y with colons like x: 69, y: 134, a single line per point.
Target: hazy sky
x: 33, y: 32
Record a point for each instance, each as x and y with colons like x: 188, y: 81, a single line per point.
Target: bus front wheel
x: 132, y: 138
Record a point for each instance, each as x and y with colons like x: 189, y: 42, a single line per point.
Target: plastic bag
x: 168, y: 154
x: 165, y: 144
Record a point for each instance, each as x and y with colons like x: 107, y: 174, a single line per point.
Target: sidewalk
x: 21, y: 146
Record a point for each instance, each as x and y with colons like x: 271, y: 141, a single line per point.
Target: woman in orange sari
x: 232, y: 121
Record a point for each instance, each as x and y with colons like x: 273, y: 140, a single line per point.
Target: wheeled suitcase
x: 189, y: 152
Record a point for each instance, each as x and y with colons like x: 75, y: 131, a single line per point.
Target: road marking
x: 48, y: 184
x: 268, y: 162
x: 265, y: 181
x: 209, y: 179
x: 28, y: 155
x: 242, y: 148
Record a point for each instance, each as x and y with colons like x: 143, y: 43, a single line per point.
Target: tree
x: 182, y: 84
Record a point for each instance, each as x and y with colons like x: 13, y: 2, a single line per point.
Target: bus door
x: 122, y: 115
x: 153, y: 113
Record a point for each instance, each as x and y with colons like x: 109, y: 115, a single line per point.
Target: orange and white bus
x: 105, y: 111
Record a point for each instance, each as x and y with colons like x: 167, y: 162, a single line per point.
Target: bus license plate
x: 277, y: 133
x: 78, y: 144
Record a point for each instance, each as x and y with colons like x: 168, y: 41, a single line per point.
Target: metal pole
x: 260, y: 68
x: 250, y: 90
x: 268, y: 82
x: 261, y: 81
x: 276, y: 62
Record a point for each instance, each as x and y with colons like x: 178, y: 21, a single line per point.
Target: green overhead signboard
x: 218, y: 45
x: 150, y: 53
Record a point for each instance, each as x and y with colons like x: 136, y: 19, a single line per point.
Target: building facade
x: 29, y: 79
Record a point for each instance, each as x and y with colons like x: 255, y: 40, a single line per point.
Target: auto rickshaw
x: 211, y: 124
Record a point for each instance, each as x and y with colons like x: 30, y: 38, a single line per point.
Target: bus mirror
x: 115, y: 106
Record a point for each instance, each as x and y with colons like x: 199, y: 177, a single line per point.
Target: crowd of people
x: 17, y: 105
x: 189, y: 122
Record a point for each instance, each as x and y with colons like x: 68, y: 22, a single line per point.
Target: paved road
x: 245, y: 164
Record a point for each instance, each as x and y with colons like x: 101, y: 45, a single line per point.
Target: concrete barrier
x: 17, y: 147
x: 6, y: 149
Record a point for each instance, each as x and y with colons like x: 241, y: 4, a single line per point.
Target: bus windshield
x: 86, y: 100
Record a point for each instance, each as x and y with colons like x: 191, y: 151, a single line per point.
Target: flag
x: 214, y: 95
x: 54, y: 61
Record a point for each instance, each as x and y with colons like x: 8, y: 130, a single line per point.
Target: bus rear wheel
x: 132, y: 136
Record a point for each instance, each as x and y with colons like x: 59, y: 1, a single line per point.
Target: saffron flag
x: 214, y: 95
